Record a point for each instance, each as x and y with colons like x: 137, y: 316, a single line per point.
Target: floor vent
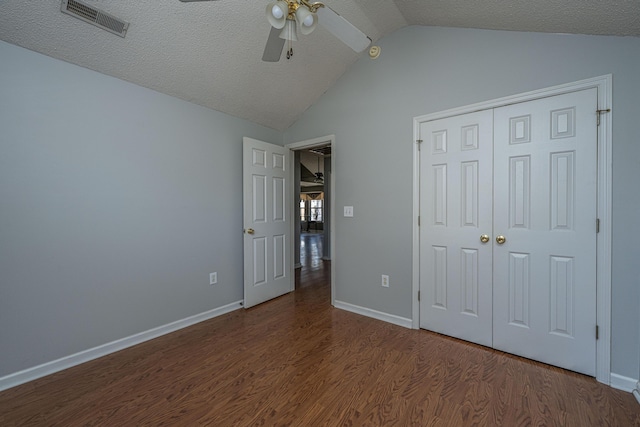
x: 94, y: 16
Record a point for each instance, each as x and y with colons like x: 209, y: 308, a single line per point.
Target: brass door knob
x: 501, y: 239
x: 485, y: 238
x: 250, y: 231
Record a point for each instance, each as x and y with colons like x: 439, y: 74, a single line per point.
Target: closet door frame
x: 603, y: 84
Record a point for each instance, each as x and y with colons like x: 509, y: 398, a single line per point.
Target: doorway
x: 313, y: 242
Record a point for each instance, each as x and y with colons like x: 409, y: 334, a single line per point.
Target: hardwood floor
x: 296, y: 361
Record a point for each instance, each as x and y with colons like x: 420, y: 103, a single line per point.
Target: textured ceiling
x: 210, y: 52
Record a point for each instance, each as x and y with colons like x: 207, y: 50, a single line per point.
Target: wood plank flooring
x: 296, y: 361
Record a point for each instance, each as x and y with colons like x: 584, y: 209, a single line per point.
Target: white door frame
x: 604, y: 203
x: 306, y: 144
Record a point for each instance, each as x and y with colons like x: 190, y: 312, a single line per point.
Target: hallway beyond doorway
x: 315, y: 271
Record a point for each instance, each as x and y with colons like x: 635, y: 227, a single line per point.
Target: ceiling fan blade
x: 343, y: 29
x: 273, y: 49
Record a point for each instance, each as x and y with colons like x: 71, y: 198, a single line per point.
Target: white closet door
x: 455, y: 210
x: 544, y: 280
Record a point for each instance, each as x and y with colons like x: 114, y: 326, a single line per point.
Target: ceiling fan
x: 286, y: 16
x: 319, y: 176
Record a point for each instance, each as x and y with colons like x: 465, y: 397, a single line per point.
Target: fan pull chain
x: 289, y: 49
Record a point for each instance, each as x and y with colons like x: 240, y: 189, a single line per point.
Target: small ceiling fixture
x: 87, y: 13
x: 285, y: 14
x: 374, y: 52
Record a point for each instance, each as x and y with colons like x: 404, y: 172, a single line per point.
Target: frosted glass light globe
x: 277, y: 12
x: 308, y: 21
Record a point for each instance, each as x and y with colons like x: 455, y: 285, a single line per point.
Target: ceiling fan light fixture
x: 306, y: 19
x: 289, y: 31
x: 288, y: 16
x: 319, y: 179
x: 277, y: 13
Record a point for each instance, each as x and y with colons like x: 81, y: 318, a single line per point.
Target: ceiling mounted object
x: 374, y: 52
x: 280, y: 13
x: 319, y: 179
x: 94, y: 16
x: 289, y: 15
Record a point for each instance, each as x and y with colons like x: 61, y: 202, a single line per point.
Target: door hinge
x: 419, y: 142
x: 598, y: 112
x: 418, y: 220
x: 418, y: 295
x: 597, y: 225
x: 597, y: 332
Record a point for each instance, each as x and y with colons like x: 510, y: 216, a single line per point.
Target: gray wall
x: 116, y: 202
x: 423, y: 70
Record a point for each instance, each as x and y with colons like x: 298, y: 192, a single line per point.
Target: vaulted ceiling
x: 209, y: 52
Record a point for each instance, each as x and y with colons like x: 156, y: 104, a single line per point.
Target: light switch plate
x: 348, y: 211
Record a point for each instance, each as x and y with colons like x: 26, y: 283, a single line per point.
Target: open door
x: 267, y: 221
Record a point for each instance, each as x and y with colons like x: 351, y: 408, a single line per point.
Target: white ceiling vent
x: 94, y: 16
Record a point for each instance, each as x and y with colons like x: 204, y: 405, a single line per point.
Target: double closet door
x: 508, y: 228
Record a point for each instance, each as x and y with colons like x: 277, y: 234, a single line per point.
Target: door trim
x: 603, y: 84
x: 310, y: 143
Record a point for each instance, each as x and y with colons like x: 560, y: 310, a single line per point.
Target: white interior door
x: 267, y: 221
x: 545, y: 207
x: 529, y: 177
x: 455, y: 211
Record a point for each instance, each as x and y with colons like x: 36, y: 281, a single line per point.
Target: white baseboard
x: 66, y: 362
x: 636, y: 391
x: 623, y: 383
x: 390, y: 318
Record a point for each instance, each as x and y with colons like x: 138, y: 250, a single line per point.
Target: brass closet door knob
x: 501, y: 239
x: 485, y: 238
x: 250, y: 231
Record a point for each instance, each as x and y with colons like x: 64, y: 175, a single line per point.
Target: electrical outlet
x: 385, y: 281
x: 348, y: 211
x: 213, y: 278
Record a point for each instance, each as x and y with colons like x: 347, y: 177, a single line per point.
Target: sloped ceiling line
x: 209, y: 52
